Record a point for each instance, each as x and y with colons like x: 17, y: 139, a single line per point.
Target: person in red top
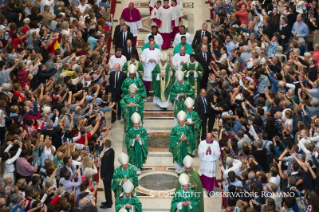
x: 17, y: 91
x: 316, y: 53
x: 23, y: 78
x: 83, y: 129
x: 26, y: 27
x: 242, y: 15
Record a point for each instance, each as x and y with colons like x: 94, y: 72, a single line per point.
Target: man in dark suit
x: 201, y: 107
x: 66, y: 167
x: 203, y: 58
x: 118, y: 29
x: 100, y: 13
x: 210, y: 97
x: 129, y: 50
x: 204, y: 42
x: 122, y: 37
x: 106, y: 173
x: 117, y: 77
x: 200, y: 34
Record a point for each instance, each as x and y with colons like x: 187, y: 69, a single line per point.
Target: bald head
x: 117, y: 67
x: 203, y: 48
x: 2, y: 202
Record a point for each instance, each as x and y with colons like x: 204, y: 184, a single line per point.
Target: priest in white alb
x: 157, y: 37
x: 117, y: 58
x: 152, y: 5
x: 182, y: 32
x: 209, y: 153
x: 132, y: 17
x: 150, y: 58
x: 165, y: 23
x: 177, y: 17
x: 180, y: 58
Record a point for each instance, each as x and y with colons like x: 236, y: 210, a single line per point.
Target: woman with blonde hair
x: 88, y: 164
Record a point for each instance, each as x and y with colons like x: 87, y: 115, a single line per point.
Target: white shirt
x: 47, y: 153
x: 83, y: 7
x: 178, y: 38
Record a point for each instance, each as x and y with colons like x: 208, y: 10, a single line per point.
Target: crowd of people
x: 245, y: 98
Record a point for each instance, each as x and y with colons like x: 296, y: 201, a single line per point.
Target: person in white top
x: 83, y: 7
x: 180, y: 58
x: 49, y: 3
x: 233, y: 165
x: 87, y: 164
x: 150, y: 57
x: 157, y: 37
x: 47, y: 151
x: 165, y: 17
x: 7, y: 162
x: 182, y: 32
x: 208, y: 152
x: 117, y: 58
x: 152, y: 6
x: 177, y: 17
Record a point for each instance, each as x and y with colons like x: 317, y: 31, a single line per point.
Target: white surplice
x: 177, y: 59
x: 166, y: 16
x: 134, y: 26
x: 157, y: 38
x: 157, y: 101
x: 153, y: 3
x: 154, y: 16
x: 148, y: 54
x: 177, y: 14
x: 208, y: 161
x: 178, y: 37
x: 113, y: 60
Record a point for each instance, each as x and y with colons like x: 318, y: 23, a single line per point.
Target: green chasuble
x: 186, y: 89
x: 139, y: 84
x: 188, y: 48
x: 179, y: 148
x: 162, y: 87
x: 137, y: 153
x: 127, y: 111
x: 195, y: 82
x: 132, y: 200
x: 140, y: 68
x: 120, y: 174
x: 194, y: 180
x: 147, y: 45
x: 182, y: 196
x: 195, y: 127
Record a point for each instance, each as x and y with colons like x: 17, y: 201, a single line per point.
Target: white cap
x: 181, y: 116
x: 136, y: 118
x: 189, y: 102
x: 164, y: 56
x: 128, y: 186
x: 132, y: 69
x: 183, y: 179
x: 132, y: 88
x: 179, y: 75
x: 188, y: 161
x: 123, y: 158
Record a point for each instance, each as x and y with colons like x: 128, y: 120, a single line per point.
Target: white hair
x: 307, y: 54
x: 302, y: 41
x: 62, y: 75
x: 279, y: 49
x: 297, y: 51
x: 47, y: 109
x: 6, y: 179
x: 6, y: 86
x: 26, y: 20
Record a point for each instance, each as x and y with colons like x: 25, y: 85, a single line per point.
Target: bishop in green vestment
x: 130, y: 104
x: 185, y: 199
x: 180, y: 139
x: 127, y: 201
x: 193, y: 121
x: 133, y: 79
x: 181, y: 89
x: 139, y: 65
x: 161, y: 82
x: 188, y: 48
x: 193, y: 72
x: 194, y: 181
x: 123, y: 173
x: 136, y: 140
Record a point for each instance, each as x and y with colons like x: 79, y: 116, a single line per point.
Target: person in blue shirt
x: 104, y: 4
x: 219, y: 7
x: 299, y: 29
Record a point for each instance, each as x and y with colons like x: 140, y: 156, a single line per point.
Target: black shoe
x: 119, y: 118
x: 103, y: 203
x: 164, y: 109
x: 113, y: 121
x: 105, y: 206
x: 208, y: 194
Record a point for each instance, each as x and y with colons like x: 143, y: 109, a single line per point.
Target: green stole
x: 184, y: 145
x: 185, y: 199
x: 138, y: 149
x: 191, y: 79
x: 179, y: 104
x: 127, y: 200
